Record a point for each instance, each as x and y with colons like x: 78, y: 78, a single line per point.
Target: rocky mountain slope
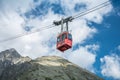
x: 44, y: 68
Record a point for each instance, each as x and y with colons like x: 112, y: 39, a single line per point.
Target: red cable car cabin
x: 64, y: 41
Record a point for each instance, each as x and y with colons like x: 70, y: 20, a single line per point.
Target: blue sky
x: 108, y: 38
x: 96, y: 41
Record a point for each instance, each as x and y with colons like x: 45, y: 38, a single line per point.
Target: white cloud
x: 93, y: 47
x: 96, y: 16
x: 10, y: 21
x: 83, y: 57
x: 119, y: 47
x: 10, y: 25
x: 81, y: 31
x: 13, y: 5
x: 111, y: 66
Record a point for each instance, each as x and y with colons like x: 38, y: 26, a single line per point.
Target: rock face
x: 10, y: 58
x: 45, y: 68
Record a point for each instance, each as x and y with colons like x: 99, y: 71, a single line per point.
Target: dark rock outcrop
x: 10, y: 58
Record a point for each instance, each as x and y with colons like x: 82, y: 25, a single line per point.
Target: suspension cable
x: 102, y: 5
x: 27, y: 33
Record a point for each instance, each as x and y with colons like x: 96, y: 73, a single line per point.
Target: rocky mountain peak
x: 53, y: 61
x: 9, y: 54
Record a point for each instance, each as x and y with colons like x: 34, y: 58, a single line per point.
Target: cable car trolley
x: 64, y: 39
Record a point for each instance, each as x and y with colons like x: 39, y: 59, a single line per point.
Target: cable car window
x: 64, y: 36
x: 70, y: 36
x: 58, y: 39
